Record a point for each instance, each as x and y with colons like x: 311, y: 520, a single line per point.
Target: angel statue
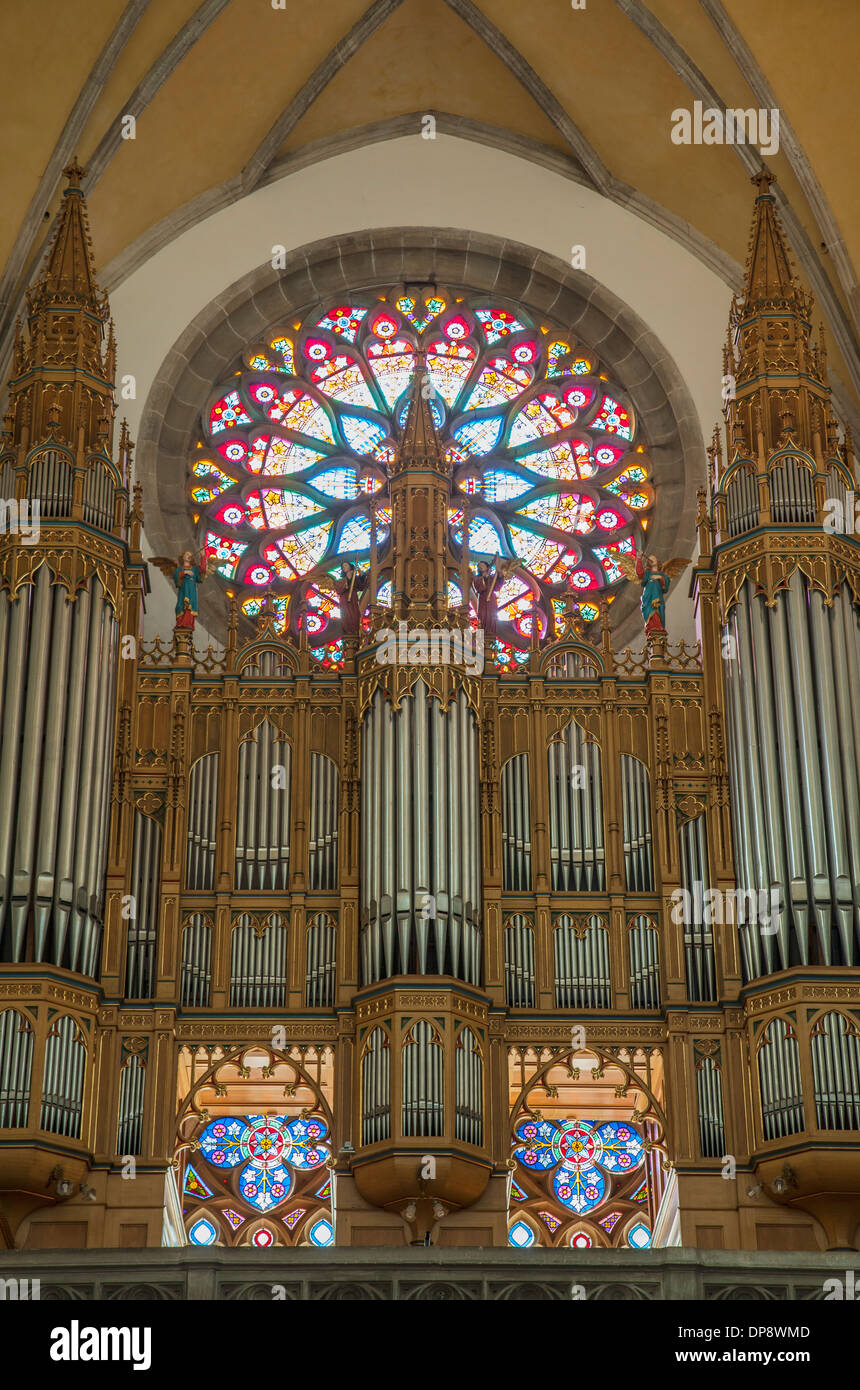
x: 484, y: 583
x: 655, y: 580
x: 186, y: 575
x: 350, y: 589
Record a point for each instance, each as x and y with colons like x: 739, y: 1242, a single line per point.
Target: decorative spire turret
x: 63, y: 361
x: 420, y: 497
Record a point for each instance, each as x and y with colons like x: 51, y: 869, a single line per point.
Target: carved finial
x: 74, y: 173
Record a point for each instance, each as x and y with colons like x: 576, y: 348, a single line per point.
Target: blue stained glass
x: 361, y: 435
x: 536, y: 1150
x: 265, y: 1185
x: 622, y: 1147
x: 581, y: 1189
x: 521, y: 1236
x: 480, y: 436
x: 337, y: 482
x: 307, y: 1134
x: 503, y: 487
x: 484, y: 539
x: 517, y: 1193
x: 221, y: 1142
x: 355, y: 535
x: 203, y: 1232
x: 639, y: 1236
x: 321, y: 1233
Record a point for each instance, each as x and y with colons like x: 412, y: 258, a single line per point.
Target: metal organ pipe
x: 420, y: 891
x: 202, y: 824
x: 516, y: 824
x: 835, y: 1048
x: 644, y: 947
x: 196, y: 962
x: 576, y: 813
x: 794, y: 749
x: 263, y: 812
x: 376, y: 1088
x: 16, y: 1068
x: 709, y: 1090
x: 57, y: 683
x: 519, y: 963
x: 636, y: 825
x: 698, y: 935
x: 779, y: 1081
x: 581, y: 964
x: 321, y: 962
x: 468, y: 1089
x: 131, y: 1097
x: 63, y: 1081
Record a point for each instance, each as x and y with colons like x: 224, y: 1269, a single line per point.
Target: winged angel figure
x: 186, y: 574
x: 655, y: 580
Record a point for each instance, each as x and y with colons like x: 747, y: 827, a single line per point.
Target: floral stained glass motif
x: 270, y: 1147
x: 581, y: 1156
x: 540, y: 447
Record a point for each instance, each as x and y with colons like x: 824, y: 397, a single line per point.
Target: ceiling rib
x: 343, y: 50
x: 683, y: 65
x: 537, y: 90
x: 62, y: 154
x: 795, y: 153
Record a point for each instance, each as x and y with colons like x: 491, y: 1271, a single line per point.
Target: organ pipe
x: 57, y: 683
x: 322, y: 844
x: 263, y: 812
x: 258, y: 966
x: 376, y: 1088
x: 835, y: 1049
x: 576, y: 813
x: 420, y: 880
x: 131, y: 1097
x: 195, y: 977
x: 468, y: 1089
x: 644, y: 958
x: 581, y: 955
x: 698, y: 934
x: 794, y: 745
x: 519, y: 963
x: 202, y: 824
x: 516, y: 825
x: 422, y: 1082
x: 145, y: 902
x: 320, y: 976
x: 709, y: 1092
x: 779, y: 1081
x: 63, y: 1081
x: 636, y: 825
x: 16, y: 1067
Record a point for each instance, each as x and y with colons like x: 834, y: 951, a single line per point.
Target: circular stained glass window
x: 289, y: 477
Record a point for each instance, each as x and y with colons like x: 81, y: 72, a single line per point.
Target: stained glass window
x: 582, y: 1164
x: 261, y: 1161
x: 541, y: 448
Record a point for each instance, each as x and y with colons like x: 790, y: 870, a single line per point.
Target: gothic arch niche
x: 253, y: 1143
x: 554, y: 299
x: 588, y: 1145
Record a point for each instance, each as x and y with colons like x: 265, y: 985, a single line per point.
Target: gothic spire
x: 769, y: 271
x: 68, y: 274
x: 419, y: 444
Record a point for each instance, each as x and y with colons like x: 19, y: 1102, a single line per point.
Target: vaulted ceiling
x: 230, y: 94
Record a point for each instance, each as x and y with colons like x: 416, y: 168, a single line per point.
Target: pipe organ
x: 409, y: 908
